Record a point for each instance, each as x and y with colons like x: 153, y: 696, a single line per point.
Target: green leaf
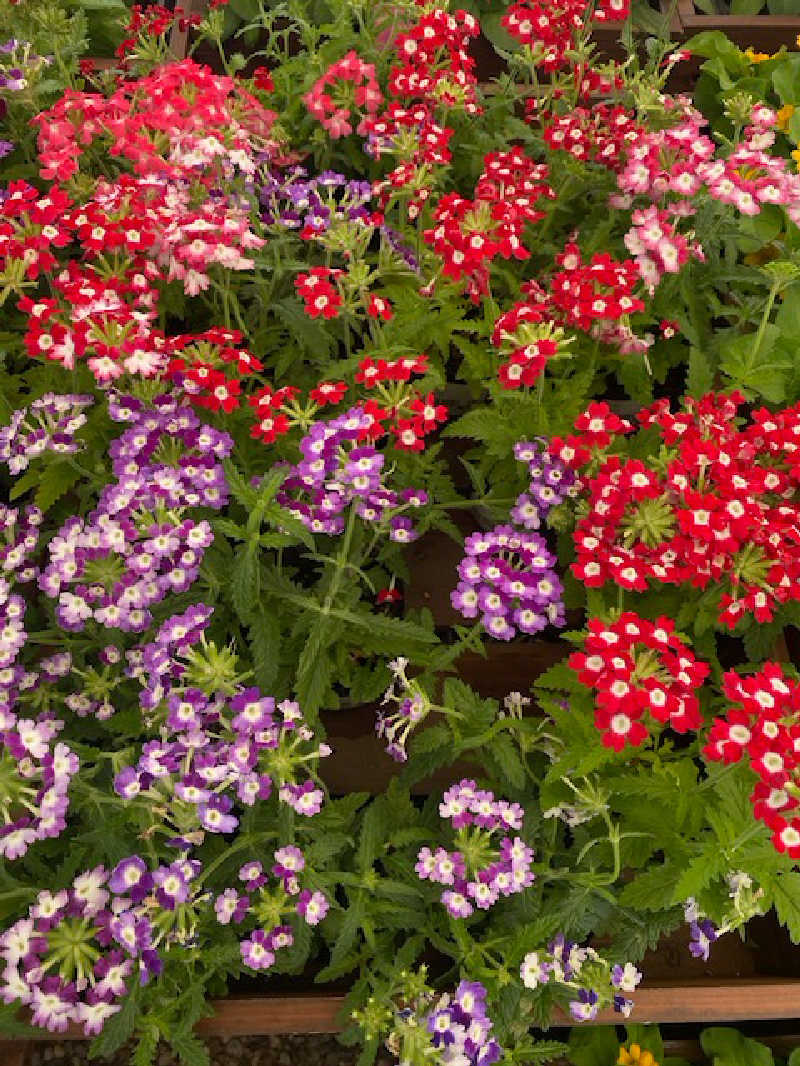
x: 10, y: 1024
x: 786, y: 899
x: 598, y: 1046
x: 728, y: 1047
x: 145, y: 1051
x: 190, y: 1049
x: 245, y: 583
x: 118, y: 1029
x: 786, y: 80
x: 651, y: 890
x: 372, y: 834
x: 746, y: 7
x: 314, y: 669
x: 700, y: 375
x: 265, y: 646
x: 648, y: 1038
x: 54, y: 482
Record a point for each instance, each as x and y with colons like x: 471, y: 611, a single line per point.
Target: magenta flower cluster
x: 70, y: 959
x: 271, y: 905
x: 338, y: 471
x: 138, y: 546
x: 216, y: 748
x: 49, y: 424
x: 483, y: 866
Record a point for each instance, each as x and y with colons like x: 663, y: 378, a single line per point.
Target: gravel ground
x: 234, y: 1051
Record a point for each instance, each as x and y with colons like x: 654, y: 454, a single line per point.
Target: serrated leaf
x: 245, y: 582
x: 190, y: 1049
x: 54, y: 482
x: 118, y: 1029
x: 786, y: 899
x: 265, y: 646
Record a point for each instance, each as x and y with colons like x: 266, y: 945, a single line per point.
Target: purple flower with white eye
x: 509, y: 578
x: 289, y: 861
x: 459, y: 1026
x: 457, y: 903
x: 702, y: 934
x: 131, y: 877
x: 313, y: 906
x: 257, y: 951
x: 171, y: 887
x: 585, y: 1007
x: 132, y: 931
x: 214, y: 815
x: 252, y: 873
x: 229, y: 906
x: 304, y: 799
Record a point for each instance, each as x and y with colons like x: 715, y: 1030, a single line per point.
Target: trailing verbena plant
x: 264, y: 327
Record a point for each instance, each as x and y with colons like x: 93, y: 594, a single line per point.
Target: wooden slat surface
x: 703, y: 1002
x: 13, y: 1054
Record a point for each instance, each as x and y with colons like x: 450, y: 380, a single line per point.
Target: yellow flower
x: 757, y: 57
x: 784, y: 114
x: 796, y: 156
x: 634, y: 1056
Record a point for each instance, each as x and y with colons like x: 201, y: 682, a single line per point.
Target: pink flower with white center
x: 313, y: 906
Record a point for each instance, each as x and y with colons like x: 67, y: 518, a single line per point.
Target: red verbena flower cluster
x: 718, y: 506
x: 469, y: 234
x: 434, y: 64
x: 210, y: 366
x: 551, y: 27
x: 600, y: 134
x: 418, y: 142
x: 181, y: 120
x: 347, y: 86
x: 643, y: 674
x: 391, y: 406
x: 765, y: 727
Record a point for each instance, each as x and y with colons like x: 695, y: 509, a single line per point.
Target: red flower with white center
x: 377, y: 307
x: 320, y: 297
x: 643, y: 675
x: 719, y: 511
x: 764, y: 727
x: 328, y: 392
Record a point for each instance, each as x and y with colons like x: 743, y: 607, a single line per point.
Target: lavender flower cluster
x: 508, y: 574
x: 413, y: 706
x: 551, y: 483
x: 49, y: 424
x: 480, y: 869
x: 509, y: 578
x: 588, y: 978
x: 292, y: 200
x: 138, y: 546
x: 329, y: 208
x: 271, y: 906
x: 337, y: 471
x: 217, y: 739
x: 460, y: 1027
x: 69, y: 959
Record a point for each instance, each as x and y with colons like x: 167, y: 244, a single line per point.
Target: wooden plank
x: 702, y: 1002
x: 13, y: 1053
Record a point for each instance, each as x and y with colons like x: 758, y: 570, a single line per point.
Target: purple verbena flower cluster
x: 22, y: 66
x: 313, y: 205
x: 70, y: 959
x: 588, y: 978
x: 35, y: 774
x: 21, y: 537
x: 481, y: 868
x: 49, y: 424
x: 461, y: 1029
x: 138, y: 546
x: 509, y: 577
x: 219, y: 742
x: 337, y: 471
x: 272, y: 907
x: 551, y: 483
